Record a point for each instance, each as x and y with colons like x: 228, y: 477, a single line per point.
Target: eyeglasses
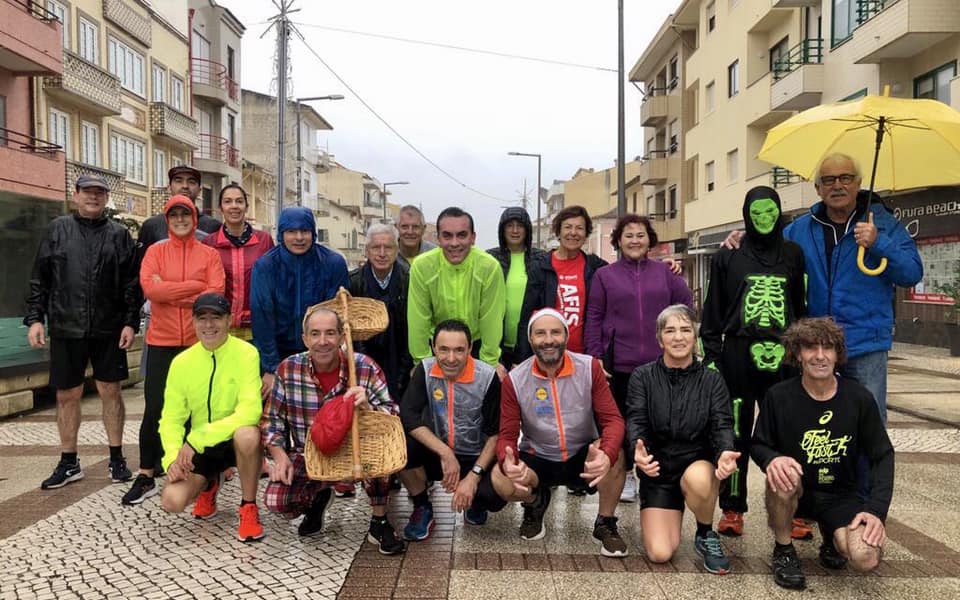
x: 845, y: 179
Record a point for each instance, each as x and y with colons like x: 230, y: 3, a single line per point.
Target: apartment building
x: 121, y: 107
x: 215, y: 35
x: 303, y: 126
x: 747, y: 65
x: 32, y: 185
x: 260, y: 183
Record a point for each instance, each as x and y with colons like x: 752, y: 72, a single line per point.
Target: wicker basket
x: 383, y: 450
x: 367, y: 317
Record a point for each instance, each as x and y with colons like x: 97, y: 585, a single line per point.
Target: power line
x: 391, y: 127
x: 460, y: 48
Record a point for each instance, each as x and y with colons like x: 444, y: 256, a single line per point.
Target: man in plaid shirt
x: 304, y: 382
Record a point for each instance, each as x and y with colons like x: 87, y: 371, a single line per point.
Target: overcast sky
x: 464, y: 110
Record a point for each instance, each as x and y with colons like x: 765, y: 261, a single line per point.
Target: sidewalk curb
x: 920, y: 415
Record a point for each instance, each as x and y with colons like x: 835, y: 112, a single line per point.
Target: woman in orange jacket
x: 173, y: 273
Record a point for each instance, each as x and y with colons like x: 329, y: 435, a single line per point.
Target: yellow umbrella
x: 922, y: 149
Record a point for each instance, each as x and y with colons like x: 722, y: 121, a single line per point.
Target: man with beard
x: 555, y: 399
x: 811, y: 431
x: 755, y: 293
x: 185, y: 181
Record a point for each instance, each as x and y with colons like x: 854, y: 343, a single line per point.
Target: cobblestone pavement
x: 79, y: 542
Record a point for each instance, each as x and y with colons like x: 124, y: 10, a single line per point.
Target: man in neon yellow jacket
x: 215, y: 385
x: 457, y: 281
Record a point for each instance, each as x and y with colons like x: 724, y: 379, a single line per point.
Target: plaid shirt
x: 295, y: 398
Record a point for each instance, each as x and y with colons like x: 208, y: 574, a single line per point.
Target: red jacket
x: 173, y: 273
x: 237, y: 266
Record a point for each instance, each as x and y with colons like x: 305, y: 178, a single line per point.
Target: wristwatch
x: 477, y: 470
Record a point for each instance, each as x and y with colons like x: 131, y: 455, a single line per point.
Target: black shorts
x: 664, y: 491
x: 215, y: 459
x: 419, y: 455
x: 560, y: 473
x: 69, y: 359
x: 831, y: 511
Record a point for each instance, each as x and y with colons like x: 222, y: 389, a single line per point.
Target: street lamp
x: 539, y: 224
x: 385, y: 195
x: 299, y: 149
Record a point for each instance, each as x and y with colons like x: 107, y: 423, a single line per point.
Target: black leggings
x: 158, y: 364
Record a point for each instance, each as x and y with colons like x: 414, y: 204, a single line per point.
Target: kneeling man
x: 811, y: 431
x: 215, y: 386
x: 556, y: 398
x: 451, y: 413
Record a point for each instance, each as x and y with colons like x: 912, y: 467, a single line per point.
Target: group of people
x: 513, y: 371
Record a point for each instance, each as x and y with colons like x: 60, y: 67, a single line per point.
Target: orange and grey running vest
x: 556, y: 415
x: 455, y: 408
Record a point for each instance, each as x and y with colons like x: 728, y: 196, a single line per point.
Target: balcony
x: 210, y: 81
x: 158, y: 199
x: 795, y: 193
x: 116, y: 181
x: 85, y: 85
x: 217, y: 156
x: 129, y: 19
x: 793, y: 3
x: 31, y: 166
x: 658, y: 167
x: 798, y: 77
x: 170, y: 123
x: 901, y: 29
x: 31, y: 41
x: 656, y: 110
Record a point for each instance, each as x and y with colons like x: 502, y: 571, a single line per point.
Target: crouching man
x: 811, y: 431
x: 215, y: 386
x: 451, y: 413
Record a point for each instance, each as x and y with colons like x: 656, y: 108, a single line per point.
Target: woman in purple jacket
x: 625, y: 299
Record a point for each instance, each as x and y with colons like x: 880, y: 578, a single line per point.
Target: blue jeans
x: 870, y: 371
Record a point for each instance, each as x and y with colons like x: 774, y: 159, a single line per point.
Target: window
x: 127, y: 64
x: 733, y: 165
x: 708, y: 175
x: 159, y: 168
x: 159, y: 83
x: 127, y: 157
x: 778, y: 54
x: 176, y: 92
x: 3, y: 120
x: 201, y: 46
x: 231, y: 63
x: 844, y: 19
x: 323, y: 236
x: 63, y: 14
x: 89, y: 144
x: 232, y: 130
x: 89, y: 45
x: 711, y: 12
x: 936, y: 84
x: 674, y: 132
x: 857, y: 94
x: 672, y: 202
x: 674, y: 72
x: 733, y: 79
x: 710, y: 96
x: 59, y: 130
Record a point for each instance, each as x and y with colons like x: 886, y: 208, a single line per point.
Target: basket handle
x: 344, y: 297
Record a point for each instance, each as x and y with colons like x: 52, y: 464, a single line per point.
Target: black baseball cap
x: 85, y: 181
x: 213, y: 302
x: 182, y: 169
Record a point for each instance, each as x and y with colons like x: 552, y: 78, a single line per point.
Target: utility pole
x: 282, y: 23
x: 621, y: 146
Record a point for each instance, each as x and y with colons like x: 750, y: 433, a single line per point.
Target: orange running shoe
x: 205, y: 506
x: 731, y: 523
x: 801, y: 531
x: 250, y: 528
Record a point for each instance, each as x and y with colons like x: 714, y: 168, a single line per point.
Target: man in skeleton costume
x: 755, y: 292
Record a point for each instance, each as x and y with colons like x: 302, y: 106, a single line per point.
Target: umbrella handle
x: 867, y: 270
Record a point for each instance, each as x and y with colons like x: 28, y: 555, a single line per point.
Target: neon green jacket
x: 218, y: 392
x: 472, y: 291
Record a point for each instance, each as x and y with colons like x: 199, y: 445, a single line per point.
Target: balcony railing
x: 173, y: 124
x: 97, y: 88
x: 36, y: 9
x: 213, y: 147
x: 808, y: 51
x: 26, y: 143
x: 782, y: 177
x: 208, y: 72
